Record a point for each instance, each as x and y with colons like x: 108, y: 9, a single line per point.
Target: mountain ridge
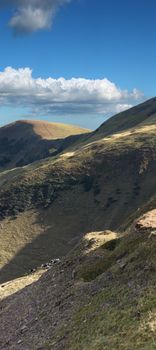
x: 87, y: 214
x: 94, y: 184
x: 139, y: 114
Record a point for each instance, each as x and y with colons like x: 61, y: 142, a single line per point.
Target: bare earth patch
x: 147, y: 221
x: 17, y: 284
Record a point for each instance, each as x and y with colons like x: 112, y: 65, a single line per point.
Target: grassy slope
x: 22, y: 142
x: 101, y: 296
x: 122, y: 312
x: 137, y: 145
x: 101, y: 183
x: 130, y: 118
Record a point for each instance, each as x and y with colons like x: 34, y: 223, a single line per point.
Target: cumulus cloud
x: 32, y: 15
x: 61, y: 96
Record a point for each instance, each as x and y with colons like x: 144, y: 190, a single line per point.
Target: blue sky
x: 93, y: 40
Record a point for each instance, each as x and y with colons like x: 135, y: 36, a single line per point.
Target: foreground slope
x: 103, y: 181
x: 25, y: 141
x: 101, y: 296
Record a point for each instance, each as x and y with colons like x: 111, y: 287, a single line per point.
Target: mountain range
x: 77, y: 234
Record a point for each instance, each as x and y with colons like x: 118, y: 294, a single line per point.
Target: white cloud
x: 122, y: 107
x: 60, y: 96
x: 32, y: 15
x: 28, y: 20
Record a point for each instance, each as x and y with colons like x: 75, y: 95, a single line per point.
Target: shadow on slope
x: 128, y: 119
x: 74, y: 213
x: 24, y: 142
x: 62, y: 228
x: 69, y: 311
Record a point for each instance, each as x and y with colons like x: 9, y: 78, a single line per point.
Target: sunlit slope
x: 130, y: 118
x: 24, y: 141
x: 101, y: 183
x: 101, y: 296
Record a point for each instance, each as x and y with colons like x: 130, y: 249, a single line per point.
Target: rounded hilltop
x: 25, y: 141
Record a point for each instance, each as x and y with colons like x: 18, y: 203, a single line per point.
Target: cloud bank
x: 32, y: 15
x: 60, y: 96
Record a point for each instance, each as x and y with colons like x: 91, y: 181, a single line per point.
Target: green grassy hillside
x: 84, y: 205
x: 130, y: 118
x: 101, y: 296
x: 101, y: 182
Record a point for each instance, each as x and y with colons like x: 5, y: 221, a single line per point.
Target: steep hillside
x: 129, y: 118
x: 25, y: 141
x: 101, y: 296
x: 101, y: 182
